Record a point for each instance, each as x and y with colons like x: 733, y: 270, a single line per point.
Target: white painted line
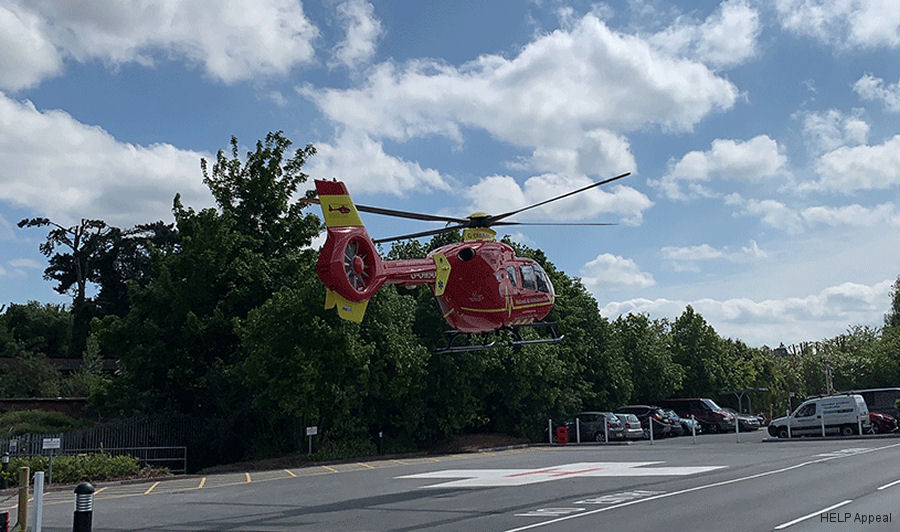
x: 886, y: 486
x: 805, y: 517
x: 247, y: 475
x: 697, y: 488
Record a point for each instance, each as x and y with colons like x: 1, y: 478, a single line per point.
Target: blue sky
x: 762, y: 137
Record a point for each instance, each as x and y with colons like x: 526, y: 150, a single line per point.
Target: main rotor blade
x: 494, y: 219
x: 400, y: 214
x: 423, y: 233
x: 554, y: 223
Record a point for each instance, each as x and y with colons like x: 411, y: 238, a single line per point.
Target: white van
x: 842, y: 414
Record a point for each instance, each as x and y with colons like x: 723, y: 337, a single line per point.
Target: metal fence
x: 155, y: 442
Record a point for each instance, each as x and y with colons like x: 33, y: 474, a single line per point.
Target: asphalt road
x: 715, y: 484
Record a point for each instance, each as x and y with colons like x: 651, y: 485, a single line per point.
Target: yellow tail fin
x: 348, y: 310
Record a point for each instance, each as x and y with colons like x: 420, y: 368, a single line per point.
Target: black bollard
x: 84, y: 508
x: 4, y: 482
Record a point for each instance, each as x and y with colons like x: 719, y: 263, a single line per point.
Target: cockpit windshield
x: 535, y: 278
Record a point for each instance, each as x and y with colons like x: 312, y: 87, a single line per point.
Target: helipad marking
x: 478, y: 478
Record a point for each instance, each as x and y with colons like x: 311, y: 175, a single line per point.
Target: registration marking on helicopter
x: 485, y: 478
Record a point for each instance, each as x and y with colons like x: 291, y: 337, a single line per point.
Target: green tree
x: 644, y: 343
x: 178, y: 344
x: 35, y: 328
x: 892, y: 317
x: 697, y: 347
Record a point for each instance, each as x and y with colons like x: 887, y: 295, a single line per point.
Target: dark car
x: 646, y: 413
x: 710, y: 415
x: 591, y: 427
x: 676, y: 428
x: 746, y: 422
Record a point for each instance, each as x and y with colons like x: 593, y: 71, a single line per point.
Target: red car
x: 882, y: 423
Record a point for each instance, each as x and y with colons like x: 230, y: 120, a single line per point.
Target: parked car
x: 675, y: 426
x: 710, y: 415
x: 840, y: 414
x: 882, y: 423
x: 746, y: 422
x: 691, y: 426
x: 590, y: 424
x: 646, y: 414
x: 631, y: 425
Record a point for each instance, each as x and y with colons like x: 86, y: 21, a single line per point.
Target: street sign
x: 312, y: 431
x: 52, y: 443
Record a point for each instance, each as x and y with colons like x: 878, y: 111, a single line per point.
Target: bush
x: 35, y: 421
x: 72, y: 469
x: 345, y: 448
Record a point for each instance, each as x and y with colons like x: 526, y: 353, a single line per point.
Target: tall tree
x: 892, y: 317
x: 74, y: 268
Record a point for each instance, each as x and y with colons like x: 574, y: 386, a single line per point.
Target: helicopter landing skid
x: 450, y: 348
x: 520, y: 341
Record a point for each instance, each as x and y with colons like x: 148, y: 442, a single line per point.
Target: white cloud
x: 827, y: 130
x: 25, y: 263
x: 844, y: 23
x: 795, y: 220
x: 362, y: 32
x: 362, y: 163
x: 498, y: 194
x: 610, y: 272
x: 26, y: 57
x: 686, y: 258
x: 771, y: 212
x: 726, y: 38
x: 868, y: 87
x: 596, y: 152
x: 855, y: 215
x: 771, y: 321
x: 568, y: 91
x: 847, y: 169
x: 65, y: 170
x: 6, y: 229
x: 235, y: 40
x: 752, y: 160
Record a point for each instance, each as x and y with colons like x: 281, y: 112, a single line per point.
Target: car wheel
x: 782, y: 432
x: 847, y: 430
x: 714, y: 429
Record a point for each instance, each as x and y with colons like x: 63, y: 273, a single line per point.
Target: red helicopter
x: 480, y: 284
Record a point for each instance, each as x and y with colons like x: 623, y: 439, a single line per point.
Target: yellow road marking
x: 364, y: 465
x: 248, y: 478
x: 151, y: 487
x: 333, y: 470
x: 202, y: 483
x: 400, y: 462
x: 101, y: 490
x: 289, y: 472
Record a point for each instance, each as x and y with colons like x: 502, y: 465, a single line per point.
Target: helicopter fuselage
x: 488, y: 287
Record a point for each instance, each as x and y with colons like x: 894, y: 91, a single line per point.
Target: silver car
x: 632, y: 426
x: 592, y: 426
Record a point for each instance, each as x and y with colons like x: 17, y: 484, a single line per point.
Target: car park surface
x: 671, y: 484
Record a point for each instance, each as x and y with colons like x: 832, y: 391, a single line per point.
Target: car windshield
x: 710, y: 403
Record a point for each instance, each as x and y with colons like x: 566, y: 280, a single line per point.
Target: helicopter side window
x: 528, y: 277
x: 543, y: 282
x: 511, y: 273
